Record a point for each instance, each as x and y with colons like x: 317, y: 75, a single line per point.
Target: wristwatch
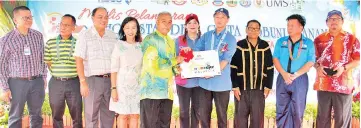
x: 113, y: 88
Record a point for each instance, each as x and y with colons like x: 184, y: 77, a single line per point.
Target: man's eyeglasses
x: 65, y: 25
x: 25, y: 18
x: 334, y: 19
x: 253, y: 29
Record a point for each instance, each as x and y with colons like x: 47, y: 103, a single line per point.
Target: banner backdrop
x: 271, y: 13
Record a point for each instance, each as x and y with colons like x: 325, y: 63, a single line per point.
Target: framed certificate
x: 204, y: 63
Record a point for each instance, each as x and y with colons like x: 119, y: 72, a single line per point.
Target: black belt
x: 30, y: 78
x: 65, y: 79
x: 104, y: 76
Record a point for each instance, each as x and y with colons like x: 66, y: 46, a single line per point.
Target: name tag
x: 27, y: 51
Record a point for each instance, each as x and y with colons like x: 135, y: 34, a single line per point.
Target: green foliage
x: 175, y: 112
x: 214, y: 113
x: 270, y: 110
x: 356, y: 109
x: 310, y: 112
x: 4, y: 119
x: 46, y: 110
x: 230, y: 111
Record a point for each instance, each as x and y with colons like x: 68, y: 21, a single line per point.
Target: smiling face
x: 192, y: 26
x: 100, y: 18
x: 164, y: 23
x: 334, y: 23
x: 130, y: 29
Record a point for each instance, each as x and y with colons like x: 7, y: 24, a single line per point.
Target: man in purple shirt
x: 22, y: 69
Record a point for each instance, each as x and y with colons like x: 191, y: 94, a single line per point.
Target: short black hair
x: 72, y: 18
x: 96, y: 9
x: 18, y: 8
x: 254, y: 21
x: 299, y: 18
x: 138, y: 36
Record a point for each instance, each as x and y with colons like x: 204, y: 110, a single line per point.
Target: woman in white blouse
x: 126, y: 64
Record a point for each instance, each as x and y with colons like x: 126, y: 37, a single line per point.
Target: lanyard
x: 57, y: 47
x: 290, y: 50
x: 220, y: 42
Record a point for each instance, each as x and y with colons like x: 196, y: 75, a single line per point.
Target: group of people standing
x: 133, y: 77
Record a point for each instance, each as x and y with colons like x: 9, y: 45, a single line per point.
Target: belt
x: 104, y: 76
x: 30, y: 78
x: 65, y: 79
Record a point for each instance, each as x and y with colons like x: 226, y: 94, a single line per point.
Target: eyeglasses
x: 65, y: 25
x: 334, y: 19
x: 25, y: 18
x: 253, y: 29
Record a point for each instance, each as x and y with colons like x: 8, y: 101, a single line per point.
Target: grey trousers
x: 155, y: 113
x: 342, y: 106
x: 221, y: 100
x: 96, y: 104
x: 30, y: 91
x: 251, y: 105
x: 69, y: 92
x: 188, y: 99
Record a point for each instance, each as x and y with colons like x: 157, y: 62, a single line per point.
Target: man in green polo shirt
x: 64, y: 83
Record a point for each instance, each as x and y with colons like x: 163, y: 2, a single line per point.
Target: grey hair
x: 163, y: 13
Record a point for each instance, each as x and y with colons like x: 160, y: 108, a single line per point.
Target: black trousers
x: 69, y: 92
x: 221, y: 100
x: 342, y: 106
x: 155, y: 113
x: 30, y: 92
x: 188, y: 99
x: 251, y: 105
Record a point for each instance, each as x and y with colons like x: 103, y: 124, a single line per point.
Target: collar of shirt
x: 30, y: 31
x: 302, y: 38
x: 220, y: 34
x: 61, y: 38
x: 95, y: 33
x: 165, y: 37
x: 188, y: 38
x: 294, y: 43
x: 160, y: 34
x: 342, y: 33
x: 258, y: 42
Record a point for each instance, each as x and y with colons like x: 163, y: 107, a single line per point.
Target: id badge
x: 27, y: 51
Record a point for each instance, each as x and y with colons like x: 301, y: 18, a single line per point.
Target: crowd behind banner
x: 131, y: 76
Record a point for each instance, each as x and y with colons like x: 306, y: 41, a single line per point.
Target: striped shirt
x: 14, y: 62
x: 59, y: 53
x: 95, y: 51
